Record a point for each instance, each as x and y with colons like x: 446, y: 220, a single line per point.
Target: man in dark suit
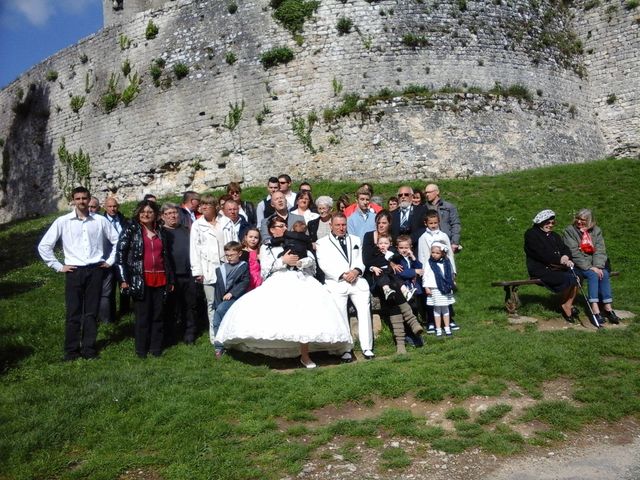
x: 181, y: 313
x: 107, y: 310
x: 279, y: 204
x: 408, y: 219
x: 188, y: 208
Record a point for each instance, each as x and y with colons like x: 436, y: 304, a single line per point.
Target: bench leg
x: 511, y: 299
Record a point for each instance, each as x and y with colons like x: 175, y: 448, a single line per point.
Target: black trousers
x: 82, y: 297
x: 107, y: 310
x: 181, y: 311
x: 148, y: 327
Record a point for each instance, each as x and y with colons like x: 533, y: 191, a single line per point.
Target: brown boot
x: 410, y: 319
x: 397, y: 326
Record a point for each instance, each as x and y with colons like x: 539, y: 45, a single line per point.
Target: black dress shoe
x: 613, y: 318
x: 568, y: 318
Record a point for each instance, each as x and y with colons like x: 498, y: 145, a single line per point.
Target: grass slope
x: 187, y: 416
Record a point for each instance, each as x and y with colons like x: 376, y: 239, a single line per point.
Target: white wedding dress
x: 290, y: 307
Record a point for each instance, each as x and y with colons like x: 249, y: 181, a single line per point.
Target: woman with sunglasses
x: 291, y: 313
x: 549, y: 259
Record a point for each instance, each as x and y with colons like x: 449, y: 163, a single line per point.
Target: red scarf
x: 586, y: 244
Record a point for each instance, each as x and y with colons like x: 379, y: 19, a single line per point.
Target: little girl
x: 438, y: 286
x: 251, y: 246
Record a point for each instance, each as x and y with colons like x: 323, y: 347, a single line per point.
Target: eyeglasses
x: 404, y: 194
x: 429, y: 191
x: 94, y: 207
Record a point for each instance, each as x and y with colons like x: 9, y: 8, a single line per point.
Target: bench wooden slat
x: 511, y: 298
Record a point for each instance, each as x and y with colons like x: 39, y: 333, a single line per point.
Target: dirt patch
x: 596, y: 446
x: 561, y: 324
x: 140, y: 474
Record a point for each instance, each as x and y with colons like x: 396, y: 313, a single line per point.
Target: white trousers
x: 359, y: 294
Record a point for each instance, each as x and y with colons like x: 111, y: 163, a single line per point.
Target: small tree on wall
x: 75, y: 169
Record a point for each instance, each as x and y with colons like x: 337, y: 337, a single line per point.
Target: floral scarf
x: 586, y: 244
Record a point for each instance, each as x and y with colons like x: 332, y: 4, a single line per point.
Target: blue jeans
x: 219, y: 315
x: 599, y: 290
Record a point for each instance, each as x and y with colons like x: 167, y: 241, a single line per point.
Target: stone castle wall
x: 173, y: 137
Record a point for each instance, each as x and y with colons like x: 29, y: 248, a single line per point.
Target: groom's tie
x: 343, y: 244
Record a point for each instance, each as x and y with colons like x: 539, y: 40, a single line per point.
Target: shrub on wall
x: 52, y: 76
x: 180, y: 70
x: 76, y: 103
x: 151, y: 31
x: 126, y: 67
x: 293, y: 13
x: 230, y: 58
x: 110, y: 98
x: 276, y: 56
x: 414, y: 41
x: 75, y: 170
x: 132, y: 90
x: 344, y: 25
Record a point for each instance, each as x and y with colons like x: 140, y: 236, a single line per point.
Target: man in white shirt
x: 232, y: 224
x: 83, y: 242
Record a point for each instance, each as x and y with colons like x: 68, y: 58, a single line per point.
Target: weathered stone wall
x: 611, y: 36
x: 173, y: 136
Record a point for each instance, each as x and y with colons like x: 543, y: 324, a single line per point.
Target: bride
x: 291, y: 313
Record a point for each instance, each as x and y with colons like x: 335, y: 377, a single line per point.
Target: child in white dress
x: 438, y: 283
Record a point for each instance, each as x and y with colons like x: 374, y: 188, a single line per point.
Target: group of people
x: 563, y: 262
x: 277, y: 279
x: 281, y: 278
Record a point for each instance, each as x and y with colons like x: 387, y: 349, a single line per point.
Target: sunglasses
x: 404, y: 194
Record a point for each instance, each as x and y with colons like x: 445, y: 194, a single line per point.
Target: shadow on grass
x: 19, y: 249
x: 119, y: 331
x: 549, y: 301
x: 12, y: 351
x: 10, y: 289
x: 322, y: 359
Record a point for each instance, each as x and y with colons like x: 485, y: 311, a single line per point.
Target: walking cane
x: 593, y: 319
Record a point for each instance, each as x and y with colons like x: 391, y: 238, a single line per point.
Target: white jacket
x: 205, y: 252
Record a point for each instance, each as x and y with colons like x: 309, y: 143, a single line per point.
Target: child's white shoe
x: 438, y: 332
x: 447, y: 331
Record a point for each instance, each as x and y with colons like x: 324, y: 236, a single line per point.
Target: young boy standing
x: 232, y: 282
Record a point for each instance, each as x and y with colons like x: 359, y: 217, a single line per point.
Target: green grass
x: 185, y: 415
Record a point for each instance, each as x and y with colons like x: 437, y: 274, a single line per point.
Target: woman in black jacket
x: 549, y: 259
x: 145, y: 273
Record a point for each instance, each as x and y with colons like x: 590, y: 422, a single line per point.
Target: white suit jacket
x: 333, y: 261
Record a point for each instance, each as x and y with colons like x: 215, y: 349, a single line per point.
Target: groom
x: 340, y: 258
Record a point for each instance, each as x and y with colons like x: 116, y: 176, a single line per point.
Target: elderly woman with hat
x: 549, y: 259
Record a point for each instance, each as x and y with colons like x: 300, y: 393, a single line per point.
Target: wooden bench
x: 511, y: 298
